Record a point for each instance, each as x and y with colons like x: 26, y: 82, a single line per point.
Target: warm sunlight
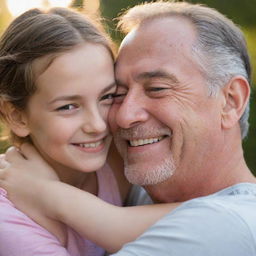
x: 17, y: 7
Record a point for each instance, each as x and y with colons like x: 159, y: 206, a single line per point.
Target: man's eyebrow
x: 157, y: 74
x: 151, y: 74
x: 119, y: 83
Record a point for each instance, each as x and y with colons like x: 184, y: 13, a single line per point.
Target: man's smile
x: 142, y: 142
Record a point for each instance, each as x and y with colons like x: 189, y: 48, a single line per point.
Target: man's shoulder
x: 219, y: 224
x: 231, y: 208
x: 236, y: 198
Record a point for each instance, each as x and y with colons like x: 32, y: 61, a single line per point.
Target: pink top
x: 21, y: 236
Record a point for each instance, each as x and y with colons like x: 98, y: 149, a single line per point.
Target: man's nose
x: 131, y: 112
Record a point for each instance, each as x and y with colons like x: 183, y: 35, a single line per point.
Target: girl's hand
x: 25, y: 161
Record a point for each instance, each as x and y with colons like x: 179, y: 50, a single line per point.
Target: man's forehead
x: 163, y: 29
x: 154, y: 44
x: 128, y: 38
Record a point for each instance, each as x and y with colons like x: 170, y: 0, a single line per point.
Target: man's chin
x: 144, y: 175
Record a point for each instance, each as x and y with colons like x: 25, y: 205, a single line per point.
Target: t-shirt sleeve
x: 138, y: 196
x: 19, y: 235
x: 197, y: 229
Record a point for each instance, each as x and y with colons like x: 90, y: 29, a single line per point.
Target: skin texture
x: 75, y: 101
x: 163, y: 94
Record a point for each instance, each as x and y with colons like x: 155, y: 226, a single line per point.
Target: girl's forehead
x: 40, y: 65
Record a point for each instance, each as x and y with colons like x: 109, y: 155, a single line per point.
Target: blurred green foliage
x: 241, y: 12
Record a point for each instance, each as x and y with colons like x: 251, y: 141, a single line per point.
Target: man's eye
x: 156, y: 89
x: 119, y: 97
x: 67, y: 107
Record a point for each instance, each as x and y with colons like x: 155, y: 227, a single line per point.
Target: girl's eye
x: 67, y: 107
x: 108, y: 98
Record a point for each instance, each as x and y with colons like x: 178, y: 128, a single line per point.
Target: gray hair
x: 220, y: 49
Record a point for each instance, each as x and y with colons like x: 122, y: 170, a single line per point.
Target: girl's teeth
x: 90, y: 145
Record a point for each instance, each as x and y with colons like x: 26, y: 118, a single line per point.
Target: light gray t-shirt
x: 138, y: 196
x: 221, y: 224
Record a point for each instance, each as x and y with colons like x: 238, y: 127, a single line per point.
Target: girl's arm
x: 107, y: 225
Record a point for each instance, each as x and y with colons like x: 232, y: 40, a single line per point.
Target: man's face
x: 164, y: 122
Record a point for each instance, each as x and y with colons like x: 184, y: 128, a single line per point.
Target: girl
x: 56, y: 88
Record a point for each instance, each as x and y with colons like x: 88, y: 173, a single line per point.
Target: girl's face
x: 67, y: 116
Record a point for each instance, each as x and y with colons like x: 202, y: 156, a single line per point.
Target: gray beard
x: 152, y: 175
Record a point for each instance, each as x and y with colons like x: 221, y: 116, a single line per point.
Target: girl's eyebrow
x: 65, y: 98
x: 76, y: 97
x: 106, y: 89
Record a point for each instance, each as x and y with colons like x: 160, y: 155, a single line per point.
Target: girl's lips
x: 93, y: 147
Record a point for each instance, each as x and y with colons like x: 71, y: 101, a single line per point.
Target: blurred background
x: 241, y: 12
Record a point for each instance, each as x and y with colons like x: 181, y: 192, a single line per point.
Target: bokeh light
x: 17, y: 7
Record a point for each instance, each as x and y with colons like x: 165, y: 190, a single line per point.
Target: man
x: 180, y: 115
x: 183, y: 81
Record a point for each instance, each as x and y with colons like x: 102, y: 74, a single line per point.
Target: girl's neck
x: 86, y: 180
x: 83, y: 180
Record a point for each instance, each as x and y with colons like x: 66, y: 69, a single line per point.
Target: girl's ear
x: 236, y: 96
x: 16, y: 119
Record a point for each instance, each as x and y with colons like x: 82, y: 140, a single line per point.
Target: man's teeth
x: 90, y: 145
x: 141, y: 142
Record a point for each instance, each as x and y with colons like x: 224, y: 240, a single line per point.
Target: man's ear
x: 16, y: 119
x: 236, y: 96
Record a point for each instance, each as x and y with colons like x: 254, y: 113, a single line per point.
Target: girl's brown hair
x: 34, y: 34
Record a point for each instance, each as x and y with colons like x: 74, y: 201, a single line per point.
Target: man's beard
x: 139, y: 172
x: 141, y: 175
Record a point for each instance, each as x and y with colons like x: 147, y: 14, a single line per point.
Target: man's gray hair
x: 220, y: 49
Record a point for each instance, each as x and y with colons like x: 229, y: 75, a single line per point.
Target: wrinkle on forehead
x: 172, y: 38
x: 168, y: 31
